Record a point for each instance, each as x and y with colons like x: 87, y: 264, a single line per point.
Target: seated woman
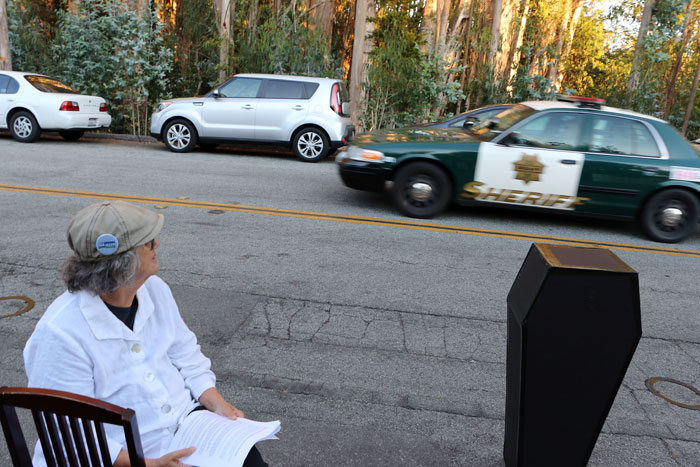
x: 116, y: 334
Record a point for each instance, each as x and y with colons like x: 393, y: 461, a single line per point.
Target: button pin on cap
x: 107, y: 244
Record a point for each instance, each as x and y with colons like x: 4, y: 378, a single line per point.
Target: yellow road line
x: 406, y: 224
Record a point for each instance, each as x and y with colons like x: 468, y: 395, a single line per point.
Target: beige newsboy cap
x: 108, y: 228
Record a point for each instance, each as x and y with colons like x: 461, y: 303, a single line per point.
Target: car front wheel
x: 421, y: 189
x: 71, y: 135
x: 670, y: 215
x: 310, y: 145
x: 24, y: 128
x: 180, y: 136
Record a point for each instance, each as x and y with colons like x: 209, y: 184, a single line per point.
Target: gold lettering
x: 493, y: 193
x: 513, y: 197
x: 472, y: 190
x: 578, y: 202
x: 559, y: 199
x: 532, y: 197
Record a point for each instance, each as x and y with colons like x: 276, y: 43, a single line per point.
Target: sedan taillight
x: 70, y: 106
x: 103, y: 107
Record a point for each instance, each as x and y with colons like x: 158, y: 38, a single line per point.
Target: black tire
x: 71, y: 135
x: 429, y: 198
x: 310, y: 145
x: 179, y: 136
x: 24, y: 128
x: 670, y: 215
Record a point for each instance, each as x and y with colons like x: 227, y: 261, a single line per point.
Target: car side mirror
x: 345, y: 108
x: 215, y: 94
x: 469, y: 122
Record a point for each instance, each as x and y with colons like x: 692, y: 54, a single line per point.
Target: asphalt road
x: 375, y: 339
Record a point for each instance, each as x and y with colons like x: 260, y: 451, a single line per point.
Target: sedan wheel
x: 670, y: 215
x: 310, y: 145
x: 24, y: 128
x: 180, y: 136
x: 421, y: 189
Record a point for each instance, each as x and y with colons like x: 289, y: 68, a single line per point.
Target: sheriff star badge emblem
x: 528, y: 168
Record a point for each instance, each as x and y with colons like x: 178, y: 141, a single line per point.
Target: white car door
x: 232, y: 114
x: 282, y: 107
x: 6, y: 99
x: 540, y: 165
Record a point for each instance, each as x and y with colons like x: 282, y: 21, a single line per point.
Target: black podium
x: 573, y: 326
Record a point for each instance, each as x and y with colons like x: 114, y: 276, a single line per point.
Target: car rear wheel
x: 180, y: 136
x: 310, y: 145
x: 71, y: 135
x: 24, y: 128
x: 670, y: 215
x: 421, y: 189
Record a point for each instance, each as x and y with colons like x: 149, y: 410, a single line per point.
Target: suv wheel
x: 310, y: 145
x: 24, y: 128
x: 179, y: 136
x: 421, y: 189
x: 670, y: 215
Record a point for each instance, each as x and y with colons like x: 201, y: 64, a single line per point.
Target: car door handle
x: 298, y: 107
x: 568, y: 161
x: 247, y: 107
x: 650, y: 169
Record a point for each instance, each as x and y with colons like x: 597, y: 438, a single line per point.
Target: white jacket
x: 157, y: 369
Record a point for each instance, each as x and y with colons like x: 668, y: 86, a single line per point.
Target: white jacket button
x: 136, y: 348
x: 148, y: 376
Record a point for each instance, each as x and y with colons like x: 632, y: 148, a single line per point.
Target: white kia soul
x: 310, y: 115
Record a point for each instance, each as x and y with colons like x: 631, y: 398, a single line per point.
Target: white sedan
x: 30, y: 103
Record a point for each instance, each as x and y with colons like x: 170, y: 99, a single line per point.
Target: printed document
x: 220, y: 441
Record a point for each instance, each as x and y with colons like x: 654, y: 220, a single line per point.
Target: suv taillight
x: 335, y: 99
x: 103, y: 107
x: 70, y: 106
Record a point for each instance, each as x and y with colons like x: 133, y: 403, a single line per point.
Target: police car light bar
x: 592, y: 102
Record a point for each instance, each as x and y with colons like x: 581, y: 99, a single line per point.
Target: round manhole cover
x: 675, y: 392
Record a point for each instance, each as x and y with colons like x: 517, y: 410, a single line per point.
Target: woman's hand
x: 213, y: 401
x: 172, y: 459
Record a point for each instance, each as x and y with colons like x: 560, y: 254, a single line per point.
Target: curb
x: 122, y: 137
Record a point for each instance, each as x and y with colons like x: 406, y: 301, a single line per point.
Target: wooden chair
x: 56, y: 415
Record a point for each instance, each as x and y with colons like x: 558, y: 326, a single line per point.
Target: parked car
x: 575, y: 156
x: 309, y: 115
x: 31, y: 103
x: 467, y: 119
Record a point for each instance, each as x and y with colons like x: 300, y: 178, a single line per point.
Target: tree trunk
x: 362, y: 45
x: 633, y: 81
x: 494, y: 43
x: 429, y: 22
x: 252, y: 20
x: 575, y: 17
x: 561, y: 32
x: 225, y: 13
x: 670, y: 98
x: 691, y: 98
x: 321, y: 14
x: 5, y: 54
x: 517, y: 41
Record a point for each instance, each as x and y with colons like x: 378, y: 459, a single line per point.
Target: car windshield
x: 489, y: 128
x: 46, y: 84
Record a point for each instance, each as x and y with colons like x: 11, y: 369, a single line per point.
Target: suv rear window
x: 45, y: 84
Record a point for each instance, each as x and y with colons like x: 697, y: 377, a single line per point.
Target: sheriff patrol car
x: 571, y: 155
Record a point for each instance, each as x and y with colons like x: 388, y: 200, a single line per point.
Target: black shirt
x: 126, y: 315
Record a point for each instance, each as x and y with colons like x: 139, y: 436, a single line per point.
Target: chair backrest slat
x: 56, y: 415
x: 51, y: 425
x: 102, y: 441
x: 67, y: 440
x: 79, y: 442
x: 14, y: 436
x: 43, y: 437
x: 90, y: 440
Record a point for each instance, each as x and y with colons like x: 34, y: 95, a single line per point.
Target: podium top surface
x: 582, y: 258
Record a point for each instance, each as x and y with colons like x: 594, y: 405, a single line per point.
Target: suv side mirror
x: 215, y: 94
x: 345, y: 108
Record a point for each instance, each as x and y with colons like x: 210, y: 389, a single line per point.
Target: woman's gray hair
x: 103, y: 276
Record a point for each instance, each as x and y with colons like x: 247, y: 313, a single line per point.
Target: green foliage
x: 109, y: 50
x: 283, y: 43
x: 31, y: 26
x: 405, y: 79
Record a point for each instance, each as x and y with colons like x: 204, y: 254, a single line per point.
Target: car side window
x: 615, y: 135
x: 241, y: 87
x: 4, y: 80
x: 554, y: 130
x: 283, y: 89
x: 12, y: 86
